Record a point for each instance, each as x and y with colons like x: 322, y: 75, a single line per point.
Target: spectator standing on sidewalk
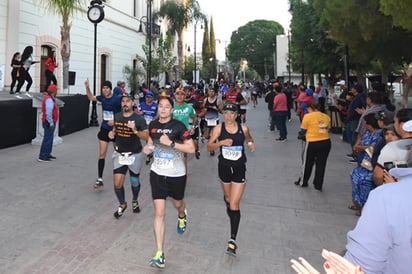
x: 168, y: 140
x: 110, y: 106
x: 280, y: 109
x: 353, y: 117
x: 50, y: 116
x: 315, y: 127
x: 231, y: 136
x: 129, y: 128
x: 269, y: 96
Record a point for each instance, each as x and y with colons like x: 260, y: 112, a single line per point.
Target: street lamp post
x: 95, y: 14
x: 289, y: 54
x: 149, y: 34
x: 225, y: 62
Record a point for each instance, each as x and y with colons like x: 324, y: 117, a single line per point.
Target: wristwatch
x: 172, y: 144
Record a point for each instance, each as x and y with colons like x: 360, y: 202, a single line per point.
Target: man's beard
x: 126, y: 109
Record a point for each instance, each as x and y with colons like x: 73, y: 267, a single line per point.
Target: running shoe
x: 120, y: 211
x: 231, y: 247
x: 51, y: 157
x: 135, y: 206
x: 181, y: 224
x: 197, y: 154
x: 43, y: 160
x: 158, y: 260
x: 99, y: 183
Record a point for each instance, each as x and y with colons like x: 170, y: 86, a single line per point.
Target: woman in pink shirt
x: 280, y: 108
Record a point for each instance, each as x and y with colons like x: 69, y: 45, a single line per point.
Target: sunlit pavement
x: 53, y: 221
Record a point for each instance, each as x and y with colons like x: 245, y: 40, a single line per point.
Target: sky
x: 229, y: 15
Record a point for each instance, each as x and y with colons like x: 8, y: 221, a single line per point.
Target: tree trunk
x: 407, y: 84
x: 65, y: 52
x: 179, y: 58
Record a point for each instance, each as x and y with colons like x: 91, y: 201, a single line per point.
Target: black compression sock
x: 120, y: 195
x: 100, y: 167
x: 234, y: 222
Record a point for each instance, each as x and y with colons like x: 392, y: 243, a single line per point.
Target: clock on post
x: 95, y: 14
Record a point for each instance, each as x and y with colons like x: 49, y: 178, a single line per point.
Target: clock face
x: 95, y: 14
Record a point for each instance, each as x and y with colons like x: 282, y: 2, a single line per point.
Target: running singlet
x: 234, y: 97
x: 149, y: 112
x: 168, y: 161
x: 110, y: 106
x: 212, y: 115
x: 183, y: 113
x: 126, y: 140
x: 235, y: 154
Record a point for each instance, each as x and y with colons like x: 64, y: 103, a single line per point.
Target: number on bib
x: 232, y: 153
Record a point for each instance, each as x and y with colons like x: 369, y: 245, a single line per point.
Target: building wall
x: 24, y: 23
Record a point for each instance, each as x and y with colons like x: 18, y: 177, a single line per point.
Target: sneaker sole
x: 231, y: 253
x: 155, y: 265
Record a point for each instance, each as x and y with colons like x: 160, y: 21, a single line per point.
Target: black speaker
x: 72, y: 78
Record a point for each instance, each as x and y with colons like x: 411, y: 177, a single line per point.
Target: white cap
x: 341, y: 82
x: 167, y: 86
x: 407, y: 126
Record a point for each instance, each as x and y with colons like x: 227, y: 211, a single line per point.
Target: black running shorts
x: 103, y: 135
x: 232, y: 174
x: 163, y: 186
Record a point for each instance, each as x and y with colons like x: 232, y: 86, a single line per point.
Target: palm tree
x: 178, y: 17
x: 64, y: 8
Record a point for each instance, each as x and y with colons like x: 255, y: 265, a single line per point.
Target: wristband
x: 249, y: 143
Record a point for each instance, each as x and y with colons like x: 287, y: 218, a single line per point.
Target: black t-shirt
x: 174, y: 129
x: 126, y: 140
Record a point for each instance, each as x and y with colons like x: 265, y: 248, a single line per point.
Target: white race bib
x: 108, y: 115
x: 211, y: 122
x: 125, y: 159
x: 232, y: 153
x: 163, y: 160
x: 148, y: 119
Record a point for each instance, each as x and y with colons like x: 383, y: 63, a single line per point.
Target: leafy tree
x: 311, y: 50
x: 369, y: 35
x: 213, y: 72
x: 400, y: 12
x: 162, y: 59
x: 65, y: 9
x: 178, y: 17
x: 132, y: 77
x: 254, y: 42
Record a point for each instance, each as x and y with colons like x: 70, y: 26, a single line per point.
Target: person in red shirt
x: 50, y: 116
x: 50, y: 66
x: 280, y: 109
x: 234, y: 96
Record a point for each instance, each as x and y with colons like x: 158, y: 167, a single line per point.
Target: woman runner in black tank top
x: 230, y: 137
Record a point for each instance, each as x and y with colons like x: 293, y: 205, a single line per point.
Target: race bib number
x: 108, y: 115
x: 148, y: 119
x: 163, y: 160
x: 211, y: 122
x: 232, y: 153
x: 126, y: 160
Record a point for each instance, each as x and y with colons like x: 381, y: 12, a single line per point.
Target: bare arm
x: 88, y: 92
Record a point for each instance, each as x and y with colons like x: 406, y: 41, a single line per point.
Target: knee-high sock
x: 100, y: 167
x: 234, y: 223
x: 134, y: 182
x: 120, y: 195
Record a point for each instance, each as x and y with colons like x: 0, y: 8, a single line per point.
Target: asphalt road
x: 53, y: 221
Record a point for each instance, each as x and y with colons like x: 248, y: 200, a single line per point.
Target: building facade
x: 26, y: 22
